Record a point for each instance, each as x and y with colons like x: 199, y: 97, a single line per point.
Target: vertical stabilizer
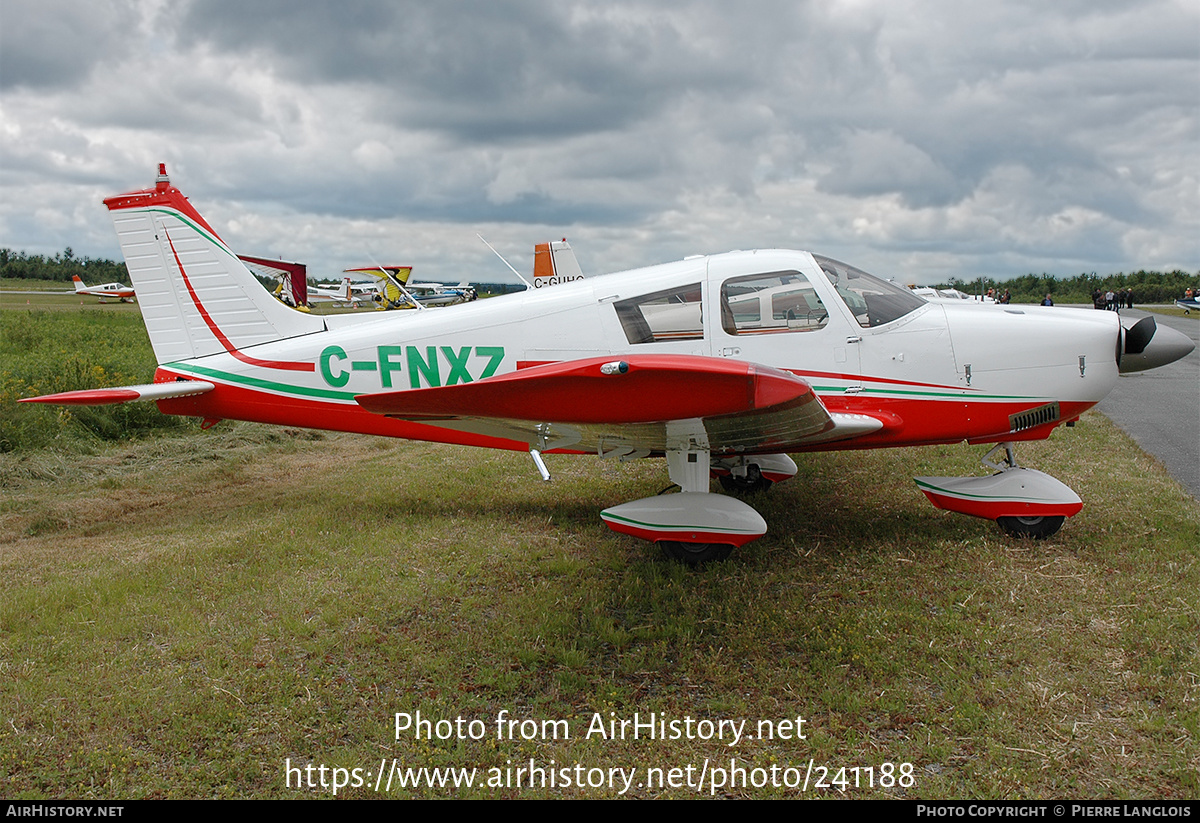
x: 554, y: 263
x: 196, y: 296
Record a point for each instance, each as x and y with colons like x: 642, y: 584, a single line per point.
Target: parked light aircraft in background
x: 292, y: 276
x: 348, y: 294
x: 118, y: 290
x: 293, y: 287
x: 394, y: 290
x: 940, y: 295
x: 554, y: 263
x: 722, y: 364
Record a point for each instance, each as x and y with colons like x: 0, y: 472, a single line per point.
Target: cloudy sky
x: 919, y: 139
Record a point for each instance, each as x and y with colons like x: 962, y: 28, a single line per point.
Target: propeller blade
x: 1148, y: 347
x: 1139, y: 335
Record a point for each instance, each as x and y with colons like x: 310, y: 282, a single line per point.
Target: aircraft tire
x: 752, y: 483
x: 1036, y: 528
x: 695, y: 554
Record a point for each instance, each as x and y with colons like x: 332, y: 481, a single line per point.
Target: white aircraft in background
x: 395, y: 291
x: 951, y: 295
x: 722, y: 364
x: 348, y: 294
x: 294, y: 291
x: 554, y: 263
x: 118, y: 290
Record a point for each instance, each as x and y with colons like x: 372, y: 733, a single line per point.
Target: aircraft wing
x: 628, y: 405
x: 123, y: 394
x: 267, y: 267
x: 401, y: 273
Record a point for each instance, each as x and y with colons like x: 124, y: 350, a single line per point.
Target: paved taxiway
x: 1160, y: 408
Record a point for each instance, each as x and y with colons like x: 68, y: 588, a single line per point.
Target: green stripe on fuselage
x: 259, y: 383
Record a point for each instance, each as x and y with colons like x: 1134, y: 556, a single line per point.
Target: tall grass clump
x: 48, y: 352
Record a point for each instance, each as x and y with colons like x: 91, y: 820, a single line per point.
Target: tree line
x: 61, y: 267
x: 1147, y: 286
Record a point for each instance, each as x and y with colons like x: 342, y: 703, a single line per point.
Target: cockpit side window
x: 672, y: 314
x: 783, y: 301
x: 871, y: 300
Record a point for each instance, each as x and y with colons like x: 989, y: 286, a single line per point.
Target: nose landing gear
x: 1023, y: 502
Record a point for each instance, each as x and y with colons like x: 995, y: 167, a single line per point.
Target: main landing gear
x: 1037, y: 528
x: 695, y: 554
x: 754, y: 474
x: 1023, y: 502
x: 696, y: 526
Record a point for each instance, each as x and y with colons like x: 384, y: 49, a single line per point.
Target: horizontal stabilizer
x: 123, y: 394
x: 601, y: 390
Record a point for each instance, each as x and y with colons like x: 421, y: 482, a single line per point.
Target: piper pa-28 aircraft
x: 722, y: 364
x: 118, y: 290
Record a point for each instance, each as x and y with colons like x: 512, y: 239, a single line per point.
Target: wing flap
x: 623, y: 406
x: 601, y: 390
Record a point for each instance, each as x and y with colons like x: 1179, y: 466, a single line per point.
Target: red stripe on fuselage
x: 924, y: 422
x: 917, y: 422
x: 228, y: 402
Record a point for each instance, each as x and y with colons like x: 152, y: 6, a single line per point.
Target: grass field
x: 40, y: 295
x: 187, y: 614
x: 1174, y: 311
x: 184, y: 616
x: 59, y: 301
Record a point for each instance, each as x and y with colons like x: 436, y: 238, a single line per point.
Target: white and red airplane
x: 118, y: 290
x: 722, y: 364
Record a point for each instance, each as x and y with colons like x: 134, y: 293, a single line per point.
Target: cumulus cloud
x: 920, y: 134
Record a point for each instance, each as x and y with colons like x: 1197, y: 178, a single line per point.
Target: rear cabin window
x: 673, y: 314
x: 767, y: 303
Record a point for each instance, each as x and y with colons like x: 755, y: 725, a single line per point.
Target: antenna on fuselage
x: 528, y: 285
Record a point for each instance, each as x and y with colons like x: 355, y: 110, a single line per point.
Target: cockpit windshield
x: 871, y: 300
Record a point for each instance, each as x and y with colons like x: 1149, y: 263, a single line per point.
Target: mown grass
x: 17, y: 284
x: 41, y: 295
x: 179, y: 617
x: 1173, y: 311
